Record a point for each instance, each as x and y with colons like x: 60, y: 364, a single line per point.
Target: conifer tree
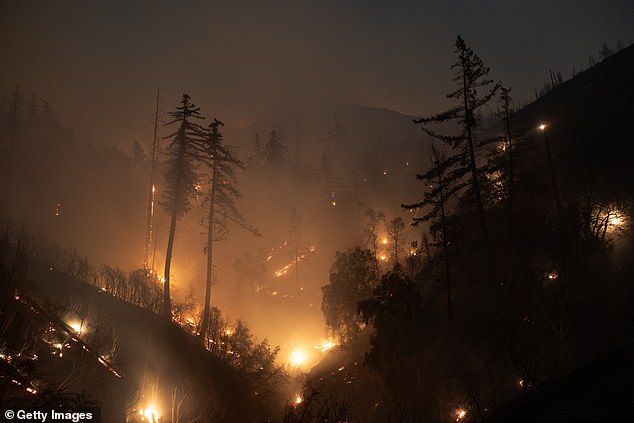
x: 472, y: 92
x: 220, y: 199
x: 436, y: 197
x: 274, y: 153
x: 180, y: 177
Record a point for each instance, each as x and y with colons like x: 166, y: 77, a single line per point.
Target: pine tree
x: 180, y: 177
x: 275, y: 153
x: 437, y: 199
x: 221, y: 199
x: 473, y: 91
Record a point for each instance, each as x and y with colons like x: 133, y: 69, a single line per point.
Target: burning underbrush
x: 68, y: 343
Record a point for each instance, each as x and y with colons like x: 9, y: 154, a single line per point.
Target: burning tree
x: 221, y: 200
x: 180, y: 177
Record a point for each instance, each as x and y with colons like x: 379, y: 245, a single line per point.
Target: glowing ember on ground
x: 151, y: 413
x: 553, y: 275
x: 297, y: 358
x: 460, y: 414
x: 301, y: 257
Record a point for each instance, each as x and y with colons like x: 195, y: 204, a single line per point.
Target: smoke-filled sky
x: 97, y: 63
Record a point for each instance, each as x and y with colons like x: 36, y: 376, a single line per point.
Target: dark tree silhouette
x: 180, y: 177
x: 221, y: 201
x: 274, y: 153
x: 436, y: 197
x: 473, y: 91
x: 352, y: 278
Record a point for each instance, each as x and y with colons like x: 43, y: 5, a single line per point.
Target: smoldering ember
x: 311, y: 212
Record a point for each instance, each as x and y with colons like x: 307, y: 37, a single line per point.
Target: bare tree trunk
x: 472, y: 159
x: 443, y: 225
x: 210, y: 231
x: 167, y: 301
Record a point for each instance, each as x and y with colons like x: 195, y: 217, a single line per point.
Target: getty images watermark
x: 76, y: 415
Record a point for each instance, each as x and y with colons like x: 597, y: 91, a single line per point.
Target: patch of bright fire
x: 297, y: 358
x: 298, y: 399
x: 326, y: 345
x: 151, y: 413
x: 460, y: 414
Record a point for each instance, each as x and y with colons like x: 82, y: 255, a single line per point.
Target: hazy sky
x: 97, y: 62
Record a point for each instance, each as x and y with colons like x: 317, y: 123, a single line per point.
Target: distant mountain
x: 381, y: 133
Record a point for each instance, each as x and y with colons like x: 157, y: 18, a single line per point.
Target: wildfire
x: 460, y: 414
x: 77, y: 326
x: 298, y: 399
x: 275, y: 251
x: 326, y: 345
x: 297, y: 358
x: 151, y: 413
x: 615, y: 219
x: 301, y: 257
x: 553, y: 275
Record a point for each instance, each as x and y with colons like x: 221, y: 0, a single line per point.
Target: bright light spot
x: 297, y: 358
x: 616, y: 221
x: 298, y: 399
x: 542, y: 127
x: 76, y: 326
x: 31, y: 390
x: 383, y: 258
x: 153, y: 189
x: 460, y: 414
x: 553, y: 275
x: 333, y: 203
x: 151, y: 413
x: 325, y: 346
x: 228, y: 331
x: 384, y: 241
